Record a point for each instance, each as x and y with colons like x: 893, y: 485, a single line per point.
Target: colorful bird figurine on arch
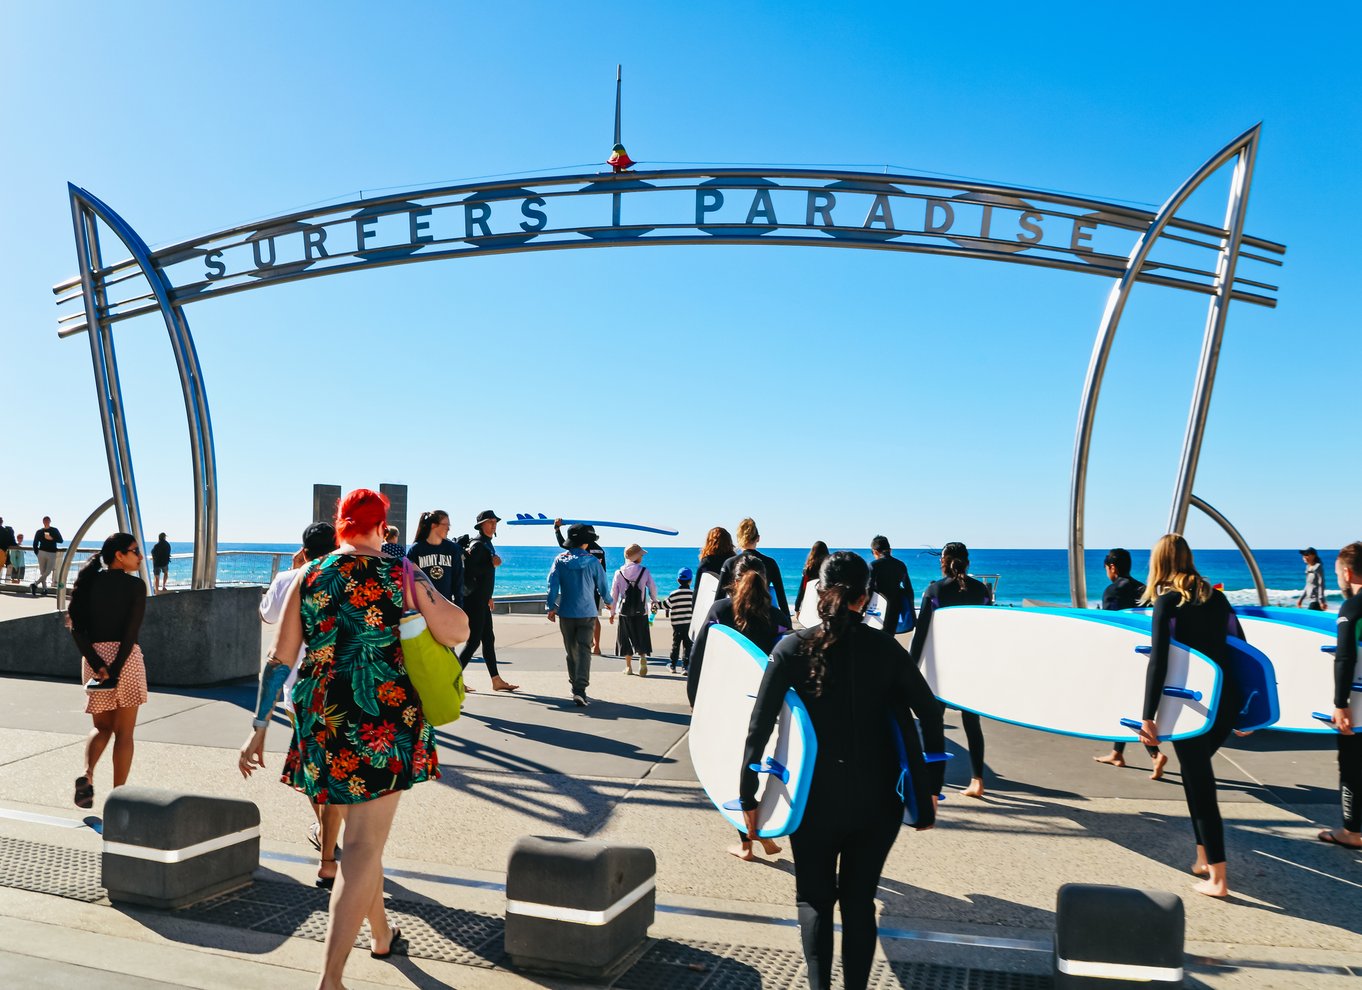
x: 619, y: 159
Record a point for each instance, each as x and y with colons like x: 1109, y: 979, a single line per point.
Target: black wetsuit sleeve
x: 770, y: 697
x: 558, y: 535
x: 924, y: 622
x: 1345, y: 654
x: 697, y: 661
x: 1162, y: 638
x: 908, y: 588
x: 778, y: 583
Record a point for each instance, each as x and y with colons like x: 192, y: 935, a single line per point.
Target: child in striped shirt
x: 679, y: 605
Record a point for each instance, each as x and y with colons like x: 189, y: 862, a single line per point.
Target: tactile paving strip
x: 470, y: 938
x: 72, y: 873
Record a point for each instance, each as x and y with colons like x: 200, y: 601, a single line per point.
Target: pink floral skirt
x: 132, y: 681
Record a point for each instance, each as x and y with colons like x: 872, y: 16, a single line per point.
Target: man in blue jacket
x: 575, y: 579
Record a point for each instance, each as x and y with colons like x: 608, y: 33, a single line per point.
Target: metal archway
x: 982, y: 221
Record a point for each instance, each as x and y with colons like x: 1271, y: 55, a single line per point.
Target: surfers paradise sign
x: 721, y: 206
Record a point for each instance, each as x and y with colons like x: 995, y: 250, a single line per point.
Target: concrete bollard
x: 1110, y: 936
x: 168, y: 850
x: 577, y: 908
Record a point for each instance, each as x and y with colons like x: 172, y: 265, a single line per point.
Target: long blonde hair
x: 1171, y: 569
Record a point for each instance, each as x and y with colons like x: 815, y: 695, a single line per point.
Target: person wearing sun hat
x: 633, y: 589
x: 1313, y: 595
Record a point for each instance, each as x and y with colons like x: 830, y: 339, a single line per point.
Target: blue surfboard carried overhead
x: 525, y: 519
x: 1326, y: 622
x: 1252, y: 669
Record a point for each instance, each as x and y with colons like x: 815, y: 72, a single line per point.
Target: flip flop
x: 85, y: 793
x: 1328, y: 836
x: 314, y: 835
x: 397, y: 934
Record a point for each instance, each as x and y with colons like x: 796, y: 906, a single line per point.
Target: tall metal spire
x: 617, y: 104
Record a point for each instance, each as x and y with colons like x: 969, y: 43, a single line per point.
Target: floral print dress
x: 359, y: 731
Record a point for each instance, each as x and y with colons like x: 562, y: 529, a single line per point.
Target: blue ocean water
x: 1037, y: 574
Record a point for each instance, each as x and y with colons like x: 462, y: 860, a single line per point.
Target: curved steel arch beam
x: 1245, y: 143
x: 1258, y: 584
x: 85, y: 210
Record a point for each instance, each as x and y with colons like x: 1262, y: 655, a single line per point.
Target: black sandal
x: 326, y: 883
x: 85, y: 793
x: 397, y: 934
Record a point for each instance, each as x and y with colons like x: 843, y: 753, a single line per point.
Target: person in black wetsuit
x: 1125, y: 592
x: 1349, y: 569
x: 748, y: 538
x: 479, y: 581
x: 1203, y: 620
x: 956, y: 588
x: 889, y: 577
x: 853, y: 680
x: 595, y: 550
x: 817, y: 554
x: 750, y: 612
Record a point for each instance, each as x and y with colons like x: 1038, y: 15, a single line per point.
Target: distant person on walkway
x: 889, y: 577
x: 7, y: 542
x: 1313, y: 595
x: 479, y: 583
x: 18, y: 560
x: 319, y: 539
x: 817, y: 554
x: 46, y: 543
x: 392, y: 548
x: 1349, y: 569
x: 599, y: 554
x: 438, y: 556
x: 680, y: 605
x: 854, y: 682
x: 955, y: 587
x: 1125, y: 592
x: 160, y: 564
x: 108, y: 601
x: 747, y: 539
x: 750, y: 612
x: 716, y: 552
x: 1204, y: 620
x: 577, y: 583
x: 361, y: 738
x: 635, y: 591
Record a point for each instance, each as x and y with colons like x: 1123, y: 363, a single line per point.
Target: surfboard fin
x: 734, y: 805
x: 937, y: 757
x: 1328, y: 649
x: 1131, y: 723
x: 1144, y: 650
x: 774, y: 768
x: 1322, y: 717
x: 1190, y: 695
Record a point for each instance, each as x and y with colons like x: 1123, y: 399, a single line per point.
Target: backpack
x: 632, y: 602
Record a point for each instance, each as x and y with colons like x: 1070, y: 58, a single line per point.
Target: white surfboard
x: 1305, y: 673
x: 718, y: 735
x: 1068, y: 674
x: 706, y: 590
x: 874, y: 612
x: 808, y: 606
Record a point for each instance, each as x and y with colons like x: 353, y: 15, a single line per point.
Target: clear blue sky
x: 831, y: 394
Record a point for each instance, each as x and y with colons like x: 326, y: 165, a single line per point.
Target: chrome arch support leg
x: 202, y: 454
x: 1106, y: 336
x: 1239, y: 542
x: 67, y: 558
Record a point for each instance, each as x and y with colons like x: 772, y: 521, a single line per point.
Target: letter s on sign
x: 215, y: 268
x: 528, y: 208
x: 1030, y: 222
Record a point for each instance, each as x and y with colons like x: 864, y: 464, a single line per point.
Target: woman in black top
x: 817, y: 554
x: 957, y: 588
x: 1349, y: 569
x: 853, y: 680
x: 438, y: 556
x: 1203, y: 620
x: 748, y: 610
x: 108, y: 601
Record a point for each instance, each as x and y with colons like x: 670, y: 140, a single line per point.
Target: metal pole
x: 1106, y: 336
x: 1214, y: 335
x: 65, y: 567
x: 617, y: 103
x: 1240, y: 542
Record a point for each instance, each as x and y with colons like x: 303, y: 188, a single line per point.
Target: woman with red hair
x: 360, y: 738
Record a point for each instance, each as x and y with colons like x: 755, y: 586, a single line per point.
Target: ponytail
x: 751, y: 597
x: 955, y: 563
x: 427, y: 522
